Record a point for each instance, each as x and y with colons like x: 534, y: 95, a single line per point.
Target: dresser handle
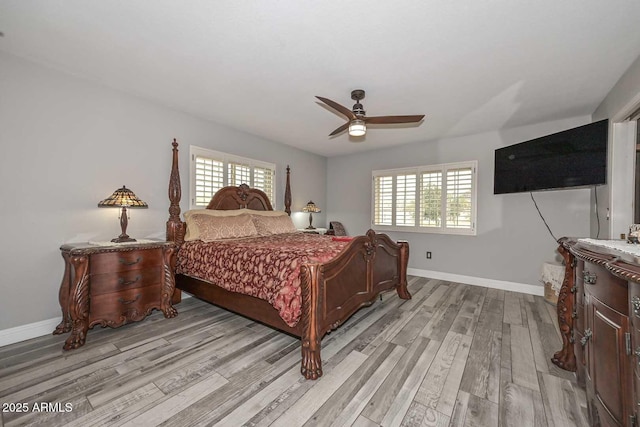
x: 125, y: 302
x: 585, y: 338
x: 635, y: 302
x: 123, y: 282
x: 589, y: 278
x: 125, y: 262
x: 637, y: 352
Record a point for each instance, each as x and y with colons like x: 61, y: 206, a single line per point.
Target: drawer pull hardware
x: 635, y: 302
x: 127, y: 302
x: 123, y: 282
x: 125, y: 262
x: 637, y: 352
x: 585, y: 338
x: 589, y: 278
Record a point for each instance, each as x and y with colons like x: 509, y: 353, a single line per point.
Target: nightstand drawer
x: 110, y: 262
x: 118, y: 307
x: 116, y: 282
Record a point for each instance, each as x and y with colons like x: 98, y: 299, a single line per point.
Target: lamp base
x: 311, y: 227
x: 122, y: 239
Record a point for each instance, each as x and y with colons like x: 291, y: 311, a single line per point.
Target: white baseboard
x: 37, y: 329
x: 478, y: 281
x: 26, y: 332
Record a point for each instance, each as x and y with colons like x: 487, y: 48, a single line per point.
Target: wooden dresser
x: 113, y: 285
x: 599, y: 317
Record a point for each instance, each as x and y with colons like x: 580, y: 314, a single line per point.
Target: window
x: 428, y: 199
x: 212, y: 170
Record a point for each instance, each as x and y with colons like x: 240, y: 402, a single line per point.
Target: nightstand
x: 316, y: 230
x: 113, y: 284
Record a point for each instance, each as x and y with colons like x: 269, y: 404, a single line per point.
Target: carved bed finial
x: 175, y: 226
x: 287, y: 193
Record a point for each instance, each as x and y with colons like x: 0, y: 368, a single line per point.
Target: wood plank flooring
x: 454, y: 355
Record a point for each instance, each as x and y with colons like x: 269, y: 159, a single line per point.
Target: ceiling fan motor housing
x: 357, y: 95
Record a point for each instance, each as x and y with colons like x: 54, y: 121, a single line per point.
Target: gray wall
x: 512, y: 241
x: 68, y: 143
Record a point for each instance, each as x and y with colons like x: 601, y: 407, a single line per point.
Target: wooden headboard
x: 241, y: 197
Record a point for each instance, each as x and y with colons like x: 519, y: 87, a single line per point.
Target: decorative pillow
x: 267, y: 225
x: 192, y: 229
x: 209, y: 227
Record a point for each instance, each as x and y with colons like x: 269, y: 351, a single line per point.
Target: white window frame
x: 226, y: 158
x: 418, y: 170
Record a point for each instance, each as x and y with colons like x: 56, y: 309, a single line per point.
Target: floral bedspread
x: 266, y: 267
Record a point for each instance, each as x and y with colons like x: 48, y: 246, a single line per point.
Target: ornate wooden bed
x: 331, y: 291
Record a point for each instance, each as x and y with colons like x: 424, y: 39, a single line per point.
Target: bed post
x: 403, y: 262
x: 287, y: 193
x: 175, y: 226
x: 310, y: 280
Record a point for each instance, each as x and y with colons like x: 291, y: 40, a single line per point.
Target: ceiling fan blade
x: 380, y: 120
x: 344, y: 110
x: 340, y: 129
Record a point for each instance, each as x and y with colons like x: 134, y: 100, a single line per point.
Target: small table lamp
x: 123, y: 198
x: 311, y: 208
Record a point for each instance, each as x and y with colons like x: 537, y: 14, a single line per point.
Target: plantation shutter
x: 431, y: 199
x: 239, y: 174
x: 459, y: 190
x: 212, y: 170
x: 426, y: 199
x: 406, y: 200
x: 209, y: 178
x: 263, y: 179
x: 383, y: 200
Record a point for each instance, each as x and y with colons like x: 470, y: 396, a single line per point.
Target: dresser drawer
x: 110, y: 262
x: 609, y: 289
x: 128, y: 279
x: 125, y: 306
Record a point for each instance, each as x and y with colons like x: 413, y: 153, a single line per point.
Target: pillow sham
x: 268, y: 225
x: 192, y: 232
x: 210, y: 227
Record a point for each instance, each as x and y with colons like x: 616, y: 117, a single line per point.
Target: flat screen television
x: 571, y: 158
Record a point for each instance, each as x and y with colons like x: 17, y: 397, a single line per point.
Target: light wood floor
x: 454, y: 355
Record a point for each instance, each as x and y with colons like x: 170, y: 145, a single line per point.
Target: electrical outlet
x: 428, y: 254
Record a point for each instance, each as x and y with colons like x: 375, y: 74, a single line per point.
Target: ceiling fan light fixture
x: 357, y: 127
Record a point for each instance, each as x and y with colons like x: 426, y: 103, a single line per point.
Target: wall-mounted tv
x: 572, y: 158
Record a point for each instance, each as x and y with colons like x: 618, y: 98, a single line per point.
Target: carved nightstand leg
x: 63, y: 298
x: 169, y: 285
x: 79, y: 302
x: 78, y: 335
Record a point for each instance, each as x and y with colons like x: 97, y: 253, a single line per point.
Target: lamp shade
x: 357, y: 127
x: 311, y: 207
x: 122, y: 197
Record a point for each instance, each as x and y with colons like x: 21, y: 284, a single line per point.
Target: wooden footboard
x: 334, y: 291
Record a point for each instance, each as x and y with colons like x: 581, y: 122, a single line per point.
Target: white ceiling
x: 470, y: 66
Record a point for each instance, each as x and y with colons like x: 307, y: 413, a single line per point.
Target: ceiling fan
x: 358, y: 120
